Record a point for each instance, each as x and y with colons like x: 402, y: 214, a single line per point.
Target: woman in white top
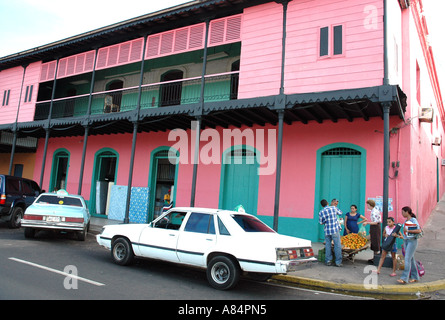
x: 411, y: 228
x: 374, y: 229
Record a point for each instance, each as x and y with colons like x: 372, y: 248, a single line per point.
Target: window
x: 28, y: 94
x: 324, y: 41
x: 331, y: 41
x: 222, y: 228
x: 13, y: 185
x: 59, y: 200
x: 338, y: 40
x: 200, y: 223
x: 251, y: 224
x: 6, y: 95
x: 173, y: 220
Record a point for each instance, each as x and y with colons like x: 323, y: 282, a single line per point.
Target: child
x: 387, y: 232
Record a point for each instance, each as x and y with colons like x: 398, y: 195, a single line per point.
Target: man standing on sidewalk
x: 329, y: 217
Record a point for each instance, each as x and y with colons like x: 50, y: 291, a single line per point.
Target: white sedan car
x: 226, y: 243
x: 57, y: 211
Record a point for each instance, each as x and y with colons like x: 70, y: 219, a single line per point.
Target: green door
x: 340, y: 178
x: 239, y: 180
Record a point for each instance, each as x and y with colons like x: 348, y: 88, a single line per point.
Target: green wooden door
x: 239, y: 184
x: 340, y: 178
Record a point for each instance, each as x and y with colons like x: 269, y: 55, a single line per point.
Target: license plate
x: 53, y: 219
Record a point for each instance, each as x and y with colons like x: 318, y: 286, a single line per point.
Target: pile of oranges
x: 353, y: 241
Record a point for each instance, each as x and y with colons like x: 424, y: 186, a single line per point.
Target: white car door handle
x: 209, y: 239
x: 172, y: 235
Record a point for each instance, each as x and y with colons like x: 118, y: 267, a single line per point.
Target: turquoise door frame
x: 98, y: 157
x: 156, y: 154
x: 341, y: 176
x: 239, y: 178
x: 55, y: 170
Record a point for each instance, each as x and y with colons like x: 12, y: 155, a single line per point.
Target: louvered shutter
x: 120, y: 54
x: 48, y: 71
x: 225, y: 30
x: 68, y: 66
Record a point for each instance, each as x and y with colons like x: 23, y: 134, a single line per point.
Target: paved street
x: 40, y: 269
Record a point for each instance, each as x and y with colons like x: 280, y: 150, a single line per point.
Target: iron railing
x: 219, y: 87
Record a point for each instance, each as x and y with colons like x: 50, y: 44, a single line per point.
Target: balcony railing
x: 219, y: 87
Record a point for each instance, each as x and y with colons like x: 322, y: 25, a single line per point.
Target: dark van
x: 16, y: 194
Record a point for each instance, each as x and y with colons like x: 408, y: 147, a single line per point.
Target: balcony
x: 218, y: 87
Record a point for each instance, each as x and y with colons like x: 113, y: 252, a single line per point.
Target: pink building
x: 291, y: 102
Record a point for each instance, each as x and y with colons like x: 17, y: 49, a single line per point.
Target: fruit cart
x: 349, y: 253
x: 352, y: 244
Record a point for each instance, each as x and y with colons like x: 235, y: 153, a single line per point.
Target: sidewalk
x: 353, y: 276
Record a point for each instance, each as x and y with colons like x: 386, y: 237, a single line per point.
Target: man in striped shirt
x: 329, y: 217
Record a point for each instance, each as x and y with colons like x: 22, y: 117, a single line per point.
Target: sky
x: 26, y: 24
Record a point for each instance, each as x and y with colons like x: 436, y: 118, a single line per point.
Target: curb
x: 415, y: 289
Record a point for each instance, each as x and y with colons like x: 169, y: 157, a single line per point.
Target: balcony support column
x: 82, y: 163
x: 195, y: 159
x: 130, y: 175
x: 87, y: 126
x: 280, y: 105
x: 199, y: 112
x: 278, y: 172
x: 48, y: 126
x: 14, y: 142
x: 45, y: 151
x: 15, y: 130
x: 135, y: 133
x: 386, y: 160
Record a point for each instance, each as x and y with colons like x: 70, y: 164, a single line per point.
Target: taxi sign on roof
x: 62, y: 192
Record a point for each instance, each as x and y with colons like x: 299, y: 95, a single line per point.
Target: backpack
x: 420, y: 268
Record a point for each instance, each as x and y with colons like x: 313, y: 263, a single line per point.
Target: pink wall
x: 360, y: 65
x: 11, y: 79
x: 300, y: 146
x: 260, y: 67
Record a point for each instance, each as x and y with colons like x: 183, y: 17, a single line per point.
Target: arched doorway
x: 104, y: 176
x: 171, y: 92
x: 59, y: 170
x: 163, y: 178
x: 113, y: 99
x: 239, y: 179
x: 341, y: 174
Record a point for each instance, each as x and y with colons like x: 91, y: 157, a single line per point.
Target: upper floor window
x: 6, y: 95
x: 331, y: 41
x: 28, y: 93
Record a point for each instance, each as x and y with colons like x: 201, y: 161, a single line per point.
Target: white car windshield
x: 250, y: 224
x: 59, y: 200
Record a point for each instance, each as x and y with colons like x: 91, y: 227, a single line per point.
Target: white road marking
x: 57, y: 271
